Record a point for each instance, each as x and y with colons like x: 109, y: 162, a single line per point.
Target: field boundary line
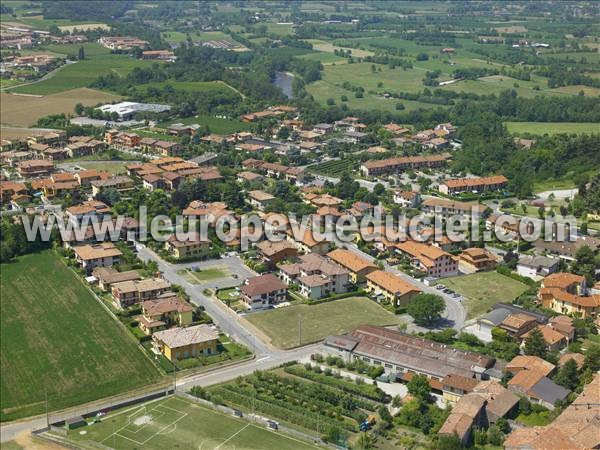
x: 232, y: 436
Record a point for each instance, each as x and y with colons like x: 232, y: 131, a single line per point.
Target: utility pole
x: 174, y: 377
x: 47, y: 416
x: 114, y: 435
x: 299, y: 328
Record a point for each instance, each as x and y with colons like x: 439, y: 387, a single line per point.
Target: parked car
x: 440, y: 287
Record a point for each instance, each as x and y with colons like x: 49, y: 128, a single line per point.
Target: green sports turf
x: 177, y: 423
x: 55, y: 336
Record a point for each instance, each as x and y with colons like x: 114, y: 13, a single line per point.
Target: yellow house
x: 564, y: 302
x: 358, y: 266
x: 182, y: 249
x: 394, y: 289
x: 191, y: 342
x: 163, y: 312
x: 454, y: 386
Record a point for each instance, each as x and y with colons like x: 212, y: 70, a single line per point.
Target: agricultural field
x: 303, y: 324
x: 98, y: 61
x: 57, y: 337
x: 332, y: 168
x: 176, y: 422
x: 302, y: 398
x: 328, y: 47
x: 482, y: 290
x: 324, y: 58
x: 541, y: 128
x: 25, y: 110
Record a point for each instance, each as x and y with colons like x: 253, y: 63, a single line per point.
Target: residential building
x: 263, y: 291
x: 476, y: 259
x: 575, y: 428
x: 564, y: 302
x: 565, y: 293
x: 107, y: 276
x: 193, y: 246
x: 86, y: 210
x: 517, y: 324
x: 536, y: 267
x: 447, y: 208
x: 386, y: 286
x: 555, y: 340
x: 566, y: 249
x: 190, y: 342
x: 308, y: 242
x: 163, y: 312
x: 120, y: 183
x: 128, y: 293
x: 316, y: 276
x: 488, y: 402
x: 389, y: 166
x: 431, y: 260
x: 260, y: 199
x: 531, y: 379
x: 323, y: 128
x: 275, y: 252
x: 358, y: 266
x: 454, y: 387
x: 35, y: 168
x: 484, y: 184
x: 400, y: 353
x: 104, y: 254
x: 500, y: 311
x: 407, y: 199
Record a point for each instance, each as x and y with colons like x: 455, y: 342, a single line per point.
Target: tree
x: 535, y: 344
x: 567, y: 376
x: 452, y: 442
x: 330, y: 102
x: 495, y: 436
x: 426, y: 309
x: 81, y: 54
x: 592, y: 358
x: 384, y: 413
x: 418, y: 387
x: 365, y: 442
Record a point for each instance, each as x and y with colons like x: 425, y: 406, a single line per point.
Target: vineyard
x: 333, y: 168
x: 302, y: 397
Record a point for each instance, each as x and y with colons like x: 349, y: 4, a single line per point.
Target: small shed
x: 75, y: 422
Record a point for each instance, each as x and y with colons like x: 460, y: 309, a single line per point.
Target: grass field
x: 24, y: 111
x: 178, y: 423
x: 56, y: 336
x: 99, y: 61
x: 214, y: 124
x: 332, y: 168
x: 318, y: 321
x: 541, y: 128
x: 203, y: 275
x: 191, y: 86
x: 484, y: 289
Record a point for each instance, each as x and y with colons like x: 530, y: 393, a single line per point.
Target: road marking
x: 264, y: 358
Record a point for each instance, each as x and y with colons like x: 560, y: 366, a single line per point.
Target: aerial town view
x: 294, y: 225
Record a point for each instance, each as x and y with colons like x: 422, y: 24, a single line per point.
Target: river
x: 284, y: 81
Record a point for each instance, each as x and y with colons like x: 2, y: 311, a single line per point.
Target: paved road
x: 10, y: 430
x: 227, y: 320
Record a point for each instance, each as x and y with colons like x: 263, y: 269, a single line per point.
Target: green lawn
x: 541, y: 128
x: 211, y: 273
x: 56, y: 336
x: 99, y: 61
x: 534, y: 419
x: 484, y: 289
x: 191, y: 86
x: 178, y: 423
x: 281, y: 325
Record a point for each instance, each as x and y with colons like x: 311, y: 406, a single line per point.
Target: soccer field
x: 56, y: 338
x: 182, y: 424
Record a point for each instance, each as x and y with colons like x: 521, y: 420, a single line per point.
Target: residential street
x: 455, y: 312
